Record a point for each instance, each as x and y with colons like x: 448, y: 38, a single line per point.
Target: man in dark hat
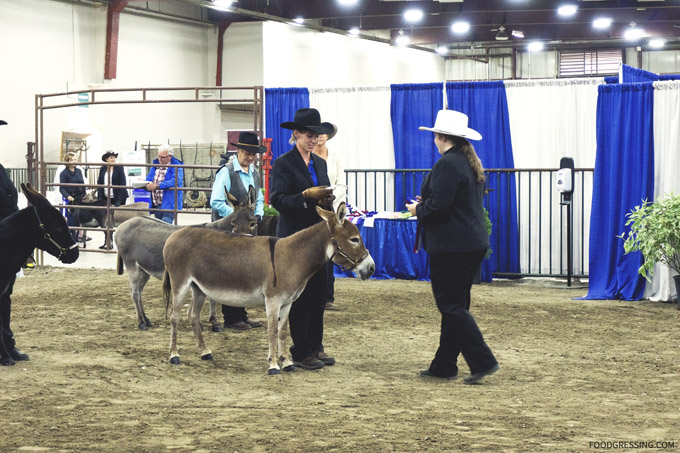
x: 236, y: 178
x: 300, y: 183
x: 8, y: 206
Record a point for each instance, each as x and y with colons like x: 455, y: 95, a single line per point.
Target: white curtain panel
x: 551, y: 119
x: 666, y: 167
x: 364, y: 139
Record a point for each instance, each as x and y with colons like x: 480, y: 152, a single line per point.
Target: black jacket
x: 290, y: 177
x: 117, y: 179
x: 451, y: 210
x: 8, y: 195
x: 71, y: 177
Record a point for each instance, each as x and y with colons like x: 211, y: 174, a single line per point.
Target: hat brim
x: 323, y: 128
x: 250, y: 148
x: 335, y: 131
x: 107, y: 155
x: 468, y: 133
x: 2, y: 123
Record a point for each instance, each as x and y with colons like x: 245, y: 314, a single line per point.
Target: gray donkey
x: 140, y: 243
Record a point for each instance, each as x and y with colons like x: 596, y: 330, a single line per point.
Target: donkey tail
x: 119, y: 264
x: 167, y: 287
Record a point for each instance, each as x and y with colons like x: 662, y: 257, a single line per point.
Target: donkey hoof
x: 289, y: 368
x: 216, y: 329
x: 147, y: 322
x: 174, y: 360
x: 142, y: 326
x: 207, y: 356
x: 273, y: 371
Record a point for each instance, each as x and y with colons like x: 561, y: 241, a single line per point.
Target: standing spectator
x: 161, y: 184
x: 451, y: 214
x: 114, y: 176
x: 71, y: 175
x: 336, y: 175
x: 8, y: 206
x: 236, y: 178
x: 300, y: 183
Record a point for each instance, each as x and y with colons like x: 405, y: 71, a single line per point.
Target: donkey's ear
x: 32, y: 196
x: 252, y: 198
x: 341, y: 212
x: 326, y: 215
x: 229, y: 198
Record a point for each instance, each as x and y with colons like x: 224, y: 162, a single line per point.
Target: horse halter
x: 47, y: 236
x: 338, y: 251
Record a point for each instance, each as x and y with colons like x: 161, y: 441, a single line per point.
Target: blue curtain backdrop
x: 624, y: 176
x: 486, y: 105
x: 280, y: 106
x: 635, y: 75
x: 412, y: 106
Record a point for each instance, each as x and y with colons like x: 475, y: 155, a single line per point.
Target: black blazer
x: 451, y: 211
x: 8, y: 195
x: 290, y: 177
x: 117, y: 179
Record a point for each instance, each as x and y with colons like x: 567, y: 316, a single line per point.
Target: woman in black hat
x: 115, y: 176
x: 300, y: 183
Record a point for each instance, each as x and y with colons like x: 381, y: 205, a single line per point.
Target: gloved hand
x: 317, y: 193
x: 327, y: 203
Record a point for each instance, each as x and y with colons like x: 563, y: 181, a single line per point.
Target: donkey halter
x: 47, y: 236
x: 338, y: 251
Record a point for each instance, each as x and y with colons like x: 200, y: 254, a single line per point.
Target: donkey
x: 250, y: 271
x: 39, y: 225
x: 140, y: 244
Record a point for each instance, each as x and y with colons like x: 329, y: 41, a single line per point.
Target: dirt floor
x: 574, y: 375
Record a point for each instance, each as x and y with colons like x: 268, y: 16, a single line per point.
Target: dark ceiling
x: 538, y: 19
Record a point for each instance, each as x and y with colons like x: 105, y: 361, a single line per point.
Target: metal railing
x: 541, y: 218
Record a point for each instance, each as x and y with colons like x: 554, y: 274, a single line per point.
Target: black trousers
x: 232, y: 315
x: 329, y: 294
x: 306, y: 317
x: 451, y: 275
x: 5, y: 313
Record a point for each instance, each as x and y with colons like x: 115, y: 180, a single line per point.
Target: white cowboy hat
x: 450, y: 122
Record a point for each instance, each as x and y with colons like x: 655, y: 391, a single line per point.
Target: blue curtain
x: 280, y: 106
x: 412, y: 106
x: 486, y: 104
x: 612, y: 79
x: 624, y: 176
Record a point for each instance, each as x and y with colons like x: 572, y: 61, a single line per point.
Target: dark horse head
x: 55, y: 237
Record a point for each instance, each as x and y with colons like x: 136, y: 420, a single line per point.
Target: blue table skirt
x: 390, y: 243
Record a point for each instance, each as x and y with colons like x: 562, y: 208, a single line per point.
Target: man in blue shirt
x: 161, y: 184
x: 236, y: 177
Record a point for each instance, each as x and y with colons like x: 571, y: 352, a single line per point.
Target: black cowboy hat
x: 108, y: 154
x: 2, y: 123
x: 247, y: 141
x: 308, y: 119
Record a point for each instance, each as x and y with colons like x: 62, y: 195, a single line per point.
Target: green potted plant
x: 655, y: 231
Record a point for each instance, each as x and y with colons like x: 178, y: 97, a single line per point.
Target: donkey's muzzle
x: 365, y: 268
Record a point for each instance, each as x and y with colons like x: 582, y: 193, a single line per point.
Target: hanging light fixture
x: 502, y: 35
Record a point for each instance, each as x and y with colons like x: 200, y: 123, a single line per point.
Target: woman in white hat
x: 452, y: 221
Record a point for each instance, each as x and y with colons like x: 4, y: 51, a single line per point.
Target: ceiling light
x: 299, y: 20
x: 633, y: 33
x: 460, y: 27
x: 442, y: 50
x: 402, y: 39
x: 518, y: 34
x: 656, y: 43
x: 413, y: 15
x: 348, y: 2
x: 602, y: 22
x: 501, y: 35
x: 567, y: 10
x: 535, y: 46
x: 354, y: 31
x: 221, y: 4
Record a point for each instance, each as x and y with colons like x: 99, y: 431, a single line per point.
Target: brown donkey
x: 244, y: 271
